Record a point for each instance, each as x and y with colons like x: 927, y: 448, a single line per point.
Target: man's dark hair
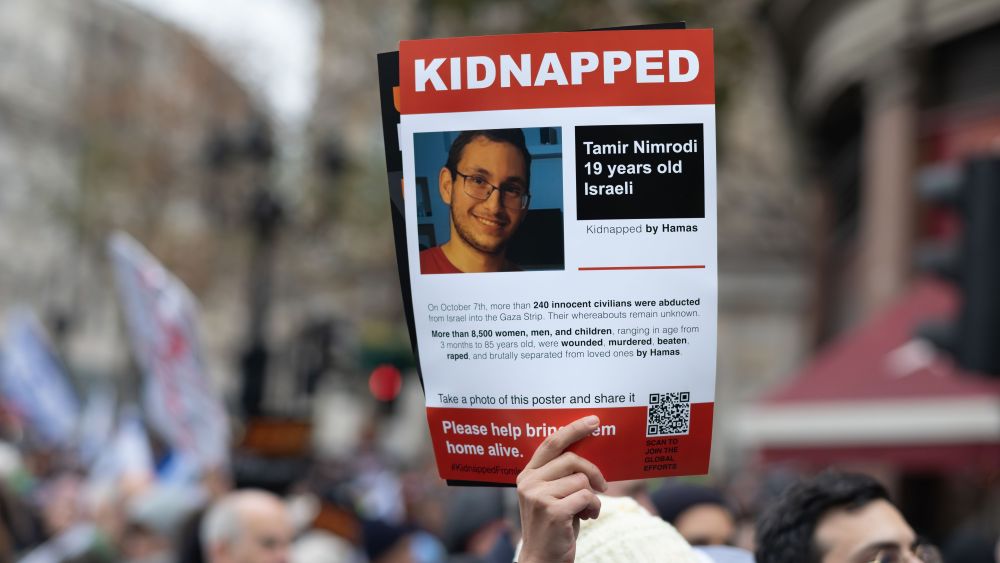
x: 786, y: 528
x: 512, y: 136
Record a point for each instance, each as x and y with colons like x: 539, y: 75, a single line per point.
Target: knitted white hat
x: 626, y: 532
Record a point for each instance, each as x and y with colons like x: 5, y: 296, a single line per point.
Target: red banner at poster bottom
x: 494, y: 445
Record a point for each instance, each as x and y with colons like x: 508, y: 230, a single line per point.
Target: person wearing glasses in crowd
x: 486, y: 183
x: 838, y: 517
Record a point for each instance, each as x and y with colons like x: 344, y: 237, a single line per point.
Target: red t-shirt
x: 433, y: 261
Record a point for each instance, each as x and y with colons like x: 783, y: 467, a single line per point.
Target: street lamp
x: 265, y: 213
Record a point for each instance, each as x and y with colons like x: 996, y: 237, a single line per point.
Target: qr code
x: 669, y: 414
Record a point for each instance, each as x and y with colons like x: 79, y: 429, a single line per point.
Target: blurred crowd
x: 144, y: 506
x: 358, y: 509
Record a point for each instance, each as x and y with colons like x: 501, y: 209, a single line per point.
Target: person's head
x: 625, y: 531
x: 699, y: 513
x: 486, y: 182
x: 634, y: 488
x: 474, y: 520
x: 248, y: 526
x: 59, y: 500
x: 154, y: 518
x: 835, y: 518
x: 385, y: 542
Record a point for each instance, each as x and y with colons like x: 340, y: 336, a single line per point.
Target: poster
x: 556, y: 223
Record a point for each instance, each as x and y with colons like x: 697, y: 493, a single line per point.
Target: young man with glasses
x: 486, y: 183
x: 838, y: 518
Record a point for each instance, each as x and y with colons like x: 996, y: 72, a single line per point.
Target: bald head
x: 248, y: 526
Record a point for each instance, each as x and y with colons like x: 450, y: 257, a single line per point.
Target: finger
x: 565, y: 486
x: 563, y: 438
x: 583, y: 504
x: 569, y: 463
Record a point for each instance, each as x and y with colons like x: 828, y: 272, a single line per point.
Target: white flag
x: 161, y: 315
x: 34, y: 381
x: 127, y: 454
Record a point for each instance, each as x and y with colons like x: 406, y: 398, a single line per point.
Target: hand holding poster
x: 560, y: 244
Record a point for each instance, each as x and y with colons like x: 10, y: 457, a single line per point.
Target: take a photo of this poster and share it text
x: 560, y: 241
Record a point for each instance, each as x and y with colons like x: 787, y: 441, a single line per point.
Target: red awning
x: 877, y: 395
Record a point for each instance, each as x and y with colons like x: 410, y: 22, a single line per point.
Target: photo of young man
x: 486, y: 185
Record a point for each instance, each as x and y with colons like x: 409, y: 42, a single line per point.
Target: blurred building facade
x: 878, y: 89
x: 104, y: 117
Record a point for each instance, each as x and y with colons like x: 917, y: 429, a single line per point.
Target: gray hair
x: 223, y: 521
x: 220, y: 524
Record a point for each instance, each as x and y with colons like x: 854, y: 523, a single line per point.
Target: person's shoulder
x: 432, y: 254
x: 434, y: 261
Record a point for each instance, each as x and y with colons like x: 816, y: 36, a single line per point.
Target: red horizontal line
x: 690, y: 267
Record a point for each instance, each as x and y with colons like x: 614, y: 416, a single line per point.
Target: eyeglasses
x: 923, y: 552
x: 512, y: 196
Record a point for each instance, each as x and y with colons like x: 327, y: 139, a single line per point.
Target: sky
x: 270, y: 45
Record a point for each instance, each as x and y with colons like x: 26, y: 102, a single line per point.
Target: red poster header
x: 549, y: 70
